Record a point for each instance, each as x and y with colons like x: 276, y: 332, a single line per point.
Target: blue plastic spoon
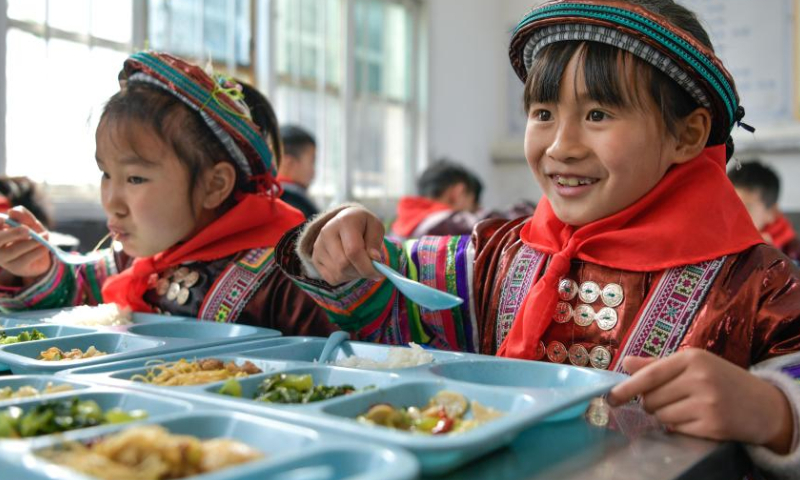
x: 334, y: 340
x: 418, y: 293
x: 65, y: 257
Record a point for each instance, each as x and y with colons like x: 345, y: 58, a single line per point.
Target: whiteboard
x: 757, y: 41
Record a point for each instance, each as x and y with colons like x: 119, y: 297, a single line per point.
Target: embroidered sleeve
x: 64, y: 286
x: 379, y: 313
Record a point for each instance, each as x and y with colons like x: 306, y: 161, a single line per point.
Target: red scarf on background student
x: 281, y: 179
x: 256, y: 221
x: 693, y: 214
x: 780, y: 231
x: 411, y: 211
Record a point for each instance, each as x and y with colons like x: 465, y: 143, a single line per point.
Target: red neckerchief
x: 411, y: 211
x: 780, y: 231
x: 256, y: 221
x: 693, y: 214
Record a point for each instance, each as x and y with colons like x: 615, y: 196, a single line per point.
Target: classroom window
x: 66, y: 54
x: 62, y: 61
x: 310, y: 72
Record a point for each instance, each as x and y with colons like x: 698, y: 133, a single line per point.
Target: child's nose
x: 113, y: 201
x: 567, y: 143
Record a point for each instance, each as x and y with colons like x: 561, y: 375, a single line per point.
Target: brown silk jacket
x: 750, y: 314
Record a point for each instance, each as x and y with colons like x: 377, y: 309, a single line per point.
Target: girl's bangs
x: 611, y: 76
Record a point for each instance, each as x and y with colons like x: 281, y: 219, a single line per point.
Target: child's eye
x: 596, y: 116
x: 136, y: 180
x: 542, y: 115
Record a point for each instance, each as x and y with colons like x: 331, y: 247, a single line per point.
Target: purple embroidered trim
x: 524, y: 269
x: 671, y: 309
x: 236, y: 286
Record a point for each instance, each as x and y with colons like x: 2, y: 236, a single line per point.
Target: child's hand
x: 346, y: 246
x: 20, y: 255
x: 698, y: 393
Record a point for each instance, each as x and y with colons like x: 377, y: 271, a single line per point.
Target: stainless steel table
x: 605, y: 444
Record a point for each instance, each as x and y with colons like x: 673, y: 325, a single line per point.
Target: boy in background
x: 759, y: 187
x: 297, y: 169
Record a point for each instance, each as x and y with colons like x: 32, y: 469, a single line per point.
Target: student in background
x: 640, y: 258
x: 298, y: 167
x: 188, y: 186
x: 759, y: 188
x: 447, y: 203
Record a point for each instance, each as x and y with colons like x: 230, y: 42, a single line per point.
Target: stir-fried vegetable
x: 289, y: 388
x: 60, y: 416
x: 445, y: 413
x: 26, y: 336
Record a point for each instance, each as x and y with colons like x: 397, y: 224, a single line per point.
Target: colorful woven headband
x: 644, y: 34
x: 218, y: 100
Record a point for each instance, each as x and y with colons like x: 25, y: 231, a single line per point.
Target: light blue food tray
x: 38, y: 382
x: 292, y: 452
x: 530, y: 392
x: 312, y: 347
x: 107, y: 398
x: 101, y: 372
x: 137, y: 341
x: 49, y: 331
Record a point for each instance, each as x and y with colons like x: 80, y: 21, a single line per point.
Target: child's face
x: 758, y: 210
x: 594, y: 160
x: 145, y: 189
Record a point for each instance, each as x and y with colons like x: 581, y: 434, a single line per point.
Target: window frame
x: 270, y: 80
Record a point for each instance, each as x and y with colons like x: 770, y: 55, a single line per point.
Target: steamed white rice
x: 398, y: 357
x: 104, y: 315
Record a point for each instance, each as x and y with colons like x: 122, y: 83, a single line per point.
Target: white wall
x: 467, y: 93
x: 468, y: 101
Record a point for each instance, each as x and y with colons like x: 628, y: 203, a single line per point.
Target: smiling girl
x: 640, y: 258
x: 188, y: 187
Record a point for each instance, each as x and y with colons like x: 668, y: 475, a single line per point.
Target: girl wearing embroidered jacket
x: 639, y: 249
x: 189, y: 189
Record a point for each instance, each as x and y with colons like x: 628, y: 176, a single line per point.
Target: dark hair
x: 22, y: 191
x: 603, y: 66
x: 175, y: 123
x: 295, y: 139
x: 757, y: 177
x: 443, y: 174
x: 264, y: 117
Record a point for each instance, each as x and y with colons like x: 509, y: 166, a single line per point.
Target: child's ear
x: 692, y: 135
x: 219, y: 182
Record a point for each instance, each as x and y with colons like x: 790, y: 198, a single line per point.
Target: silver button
x: 589, y: 292
x: 162, y: 287
x: 172, y: 292
x: 600, y: 358
x: 567, y: 289
x: 584, y: 315
x: 191, y: 279
x: 563, y: 312
x: 556, y: 352
x: 183, y: 296
x: 612, y: 295
x: 540, y: 351
x: 606, y: 318
x: 180, y: 274
x: 578, y: 355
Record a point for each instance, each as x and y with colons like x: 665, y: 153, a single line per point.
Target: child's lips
x: 117, y: 232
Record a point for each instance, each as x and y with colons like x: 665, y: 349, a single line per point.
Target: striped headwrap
x: 219, y: 102
x: 647, y: 35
